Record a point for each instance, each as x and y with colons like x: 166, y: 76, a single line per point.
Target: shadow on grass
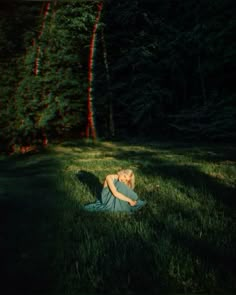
x: 98, y: 252
x: 107, y: 259
x: 129, y: 255
x: 28, y: 224
x: 213, y: 154
x: 188, y: 175
x: 91, y: 181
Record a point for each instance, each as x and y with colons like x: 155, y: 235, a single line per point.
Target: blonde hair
x: 129, y: 172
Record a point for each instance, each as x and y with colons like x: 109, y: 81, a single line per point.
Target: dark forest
x: 161, y: 69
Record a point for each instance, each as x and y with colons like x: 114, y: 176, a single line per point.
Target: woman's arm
x: 114, y: 191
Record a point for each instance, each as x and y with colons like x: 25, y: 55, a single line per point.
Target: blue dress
x: 110, y: 203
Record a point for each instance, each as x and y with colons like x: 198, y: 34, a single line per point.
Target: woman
x: 117, y: 194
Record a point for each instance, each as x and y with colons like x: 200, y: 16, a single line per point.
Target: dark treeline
x: 172, y: 67
x: 162, y: 68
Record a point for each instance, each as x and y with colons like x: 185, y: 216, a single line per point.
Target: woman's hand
x: 132, y: 203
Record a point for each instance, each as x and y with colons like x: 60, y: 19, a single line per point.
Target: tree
x: 90, y: 124
x: 50, y: 97
x: 167, y: 59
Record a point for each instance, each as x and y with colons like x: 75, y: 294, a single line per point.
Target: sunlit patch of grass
x: 224, y: 172
x: 217, y: 175
x: 183, y: 240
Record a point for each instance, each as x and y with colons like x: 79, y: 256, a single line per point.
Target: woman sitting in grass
x: 117, y: 194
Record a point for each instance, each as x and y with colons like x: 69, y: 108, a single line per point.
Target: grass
x: 182, y: 241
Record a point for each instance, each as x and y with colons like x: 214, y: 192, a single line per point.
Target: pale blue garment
x: 110, y: 203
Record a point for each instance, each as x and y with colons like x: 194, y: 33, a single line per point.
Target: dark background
x: 161, y: 69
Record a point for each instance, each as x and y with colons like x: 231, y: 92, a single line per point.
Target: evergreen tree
x: 15, y: 21
x: 161, y: 68
x: 167, y: 59
x: 51, y: 94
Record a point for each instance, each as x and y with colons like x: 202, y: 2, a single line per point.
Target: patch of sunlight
x: 187, y: 163
x: 109, y: 144
x: 227, y: 162
x: 93, y: 153
x: 129, y: 147
x: 169, y: 156
x: 217, y: 175
x: 97, y: 159
x: 152, y: 187
x: 96, y: 155
x: 77, y: 168
x: 220, y: 172
x: 72, y: 168
x: 67, y: 150
x: 62, y: 149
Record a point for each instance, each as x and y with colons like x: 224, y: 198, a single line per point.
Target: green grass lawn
x: 182, y: 241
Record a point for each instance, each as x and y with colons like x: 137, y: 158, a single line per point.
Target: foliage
x: 12, y: 46
x: 162, y: 68
x: 214, y: 120
x: 168, y: 58
x: 50, y: 96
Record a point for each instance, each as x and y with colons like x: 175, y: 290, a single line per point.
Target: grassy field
x: 182, y: 241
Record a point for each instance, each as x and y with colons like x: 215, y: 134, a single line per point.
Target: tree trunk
x: 45, y: 10
x: 202, y: 80
x: 111, y: 124
x: 90, y: 129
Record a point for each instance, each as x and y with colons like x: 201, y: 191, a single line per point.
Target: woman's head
x: 127, y: 176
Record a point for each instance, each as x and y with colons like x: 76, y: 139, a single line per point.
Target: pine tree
x: 51, y: 95
x: 167, y: 59
x: 14, y: 20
